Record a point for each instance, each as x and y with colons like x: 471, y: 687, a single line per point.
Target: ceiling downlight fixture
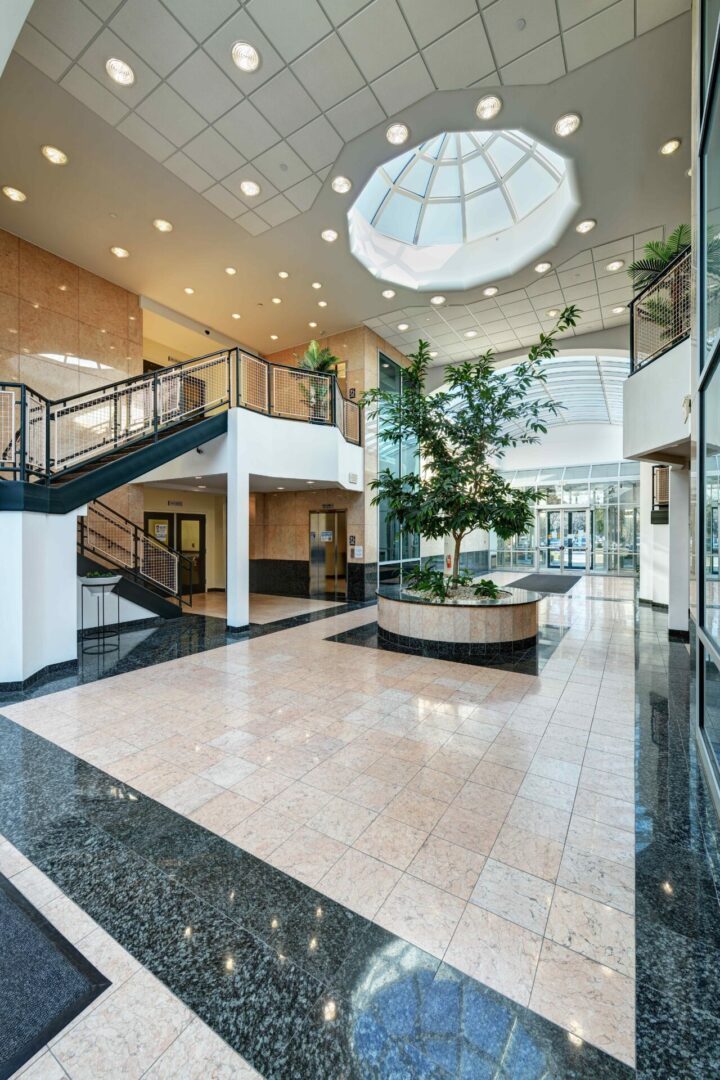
x: 245, y: 56
x: 619, y: 310
x: 670, y: 147
x: 236, y: 315
x: 317, y: 284
x: 249, y: 188
x: 388, y: 293
x: 231, y: 271
x: 397, y: 134
x: 488, y: 107
x: 162, y: 225
x: 188, y: 290
x: 329, y: 236
x: 283, y: 274
x: 585, y: 226
x: 119, y: 71
x: 543, y: 267
x: 54, y: 155
x: 567, y: 124
x: 437, y: 300
x: 341, y: 185
x: 403, y: 326
x: 492, y: 290
x: 14, y: 194
x: 120, y: 252
x: 470, y: 333
x: 615, y: 265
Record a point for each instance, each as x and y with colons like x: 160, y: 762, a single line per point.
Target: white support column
x: 238, y: 529
x: 679, y: 544
x: 38, y: 593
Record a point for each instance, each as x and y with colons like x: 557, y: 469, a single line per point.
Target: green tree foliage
x: 460, y: 433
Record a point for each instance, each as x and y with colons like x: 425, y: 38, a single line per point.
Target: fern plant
x: 317, y: 360
x: 657, y: 257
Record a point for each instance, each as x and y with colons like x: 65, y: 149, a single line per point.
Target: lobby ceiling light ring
x: 120, y: 252
x: 245, y: 57
x: 14, y: 194
x: 567, y: 124
x: 120, y: 71
x: 488, y: 107
x: 54, y: 155
x: 341, y: 185
x: 397, y: 134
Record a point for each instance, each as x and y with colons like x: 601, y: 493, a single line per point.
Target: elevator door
x: 328, y: 554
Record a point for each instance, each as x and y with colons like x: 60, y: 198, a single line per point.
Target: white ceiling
x: 177, y: 143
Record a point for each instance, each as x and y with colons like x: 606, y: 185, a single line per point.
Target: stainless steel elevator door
x: 328, y: 554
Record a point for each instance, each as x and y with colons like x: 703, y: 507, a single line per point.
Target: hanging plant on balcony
x: 460, y: 434
x: 315, y: 392
x: 658, y: 255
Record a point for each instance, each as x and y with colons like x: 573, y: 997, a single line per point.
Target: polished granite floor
x: 472, y: 828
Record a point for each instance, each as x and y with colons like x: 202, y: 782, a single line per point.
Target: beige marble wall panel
x: 43, y: 330
x: 48, y: 280
x: 134, y: 319
x: 9, y: 322
x: 9, y: 263
x: 54, y: 380
x: 434, y: 622
x: 103, y: 347
x: 9, y: 366
x: 102, y: 304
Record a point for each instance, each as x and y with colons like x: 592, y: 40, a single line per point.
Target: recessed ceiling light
x: 280, y: 489
x: 236, y: 315
x: 189, y: 291
x: 162, y: 225
x: 322, y: 303
x: 616, y: 264
x: 312, y: 325
x: 670, y: 147
x: 198, y: 477
x: 492, y: 290
x: 618, y: 310
x: 388, y: 293
x: 276, y: 300
x: 543, y: 267
x: 230, y: 270
x: 689, y: 172
x: 437, y: 300
x: 119, y: 71
x: 433, y: 353
x: 329, y: 236
x: 553, y: 313
x: 119, y: 253
x: 14, y: 194
x: 201, y: 487
x: 249, y: 188
x: 309, y: 481
x: 245, y: 56
x: 471, y: 333
x: 488, y: 107
x: 403, y: 326
x: 54, y: 155
x: 586, y: 226
x: 317, y: 285
x: 273, y: 337
x: 283, y: 274
x: 397, y: 134
x: 341, y: 185
x: 567, y: 125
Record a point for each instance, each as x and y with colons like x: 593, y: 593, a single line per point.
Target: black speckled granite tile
x: 676, y: 889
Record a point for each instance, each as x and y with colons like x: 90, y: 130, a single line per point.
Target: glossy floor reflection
x: 299, y: 985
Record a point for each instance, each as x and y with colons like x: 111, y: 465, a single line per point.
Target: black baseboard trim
x: 237, y: 629
x: 215, y: 588
x: 456, y: 650
x: 678, y: 635
x: 653, y: 605
x: 123, y: 627
x: 49, y: 669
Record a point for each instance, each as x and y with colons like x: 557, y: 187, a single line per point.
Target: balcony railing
x: 660, y: 315
x: 42, y: 439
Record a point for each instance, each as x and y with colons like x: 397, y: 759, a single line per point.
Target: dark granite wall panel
x: 361, y: 581
x: 280, y: 577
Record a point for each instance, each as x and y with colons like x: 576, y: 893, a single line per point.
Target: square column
x: 679, y: 551
x: 238, y: 530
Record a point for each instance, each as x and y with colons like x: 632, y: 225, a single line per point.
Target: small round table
x: 107, y: 638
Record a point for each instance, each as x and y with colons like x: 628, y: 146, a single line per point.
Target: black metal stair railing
x: 124, y: 545
x: 661, y: 315
x: 42, y: 439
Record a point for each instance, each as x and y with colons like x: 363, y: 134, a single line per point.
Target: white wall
x: 13, y: 14
x: 569, y: 444
x: 38, y: 592
x: 88, y: 616
x: 654, y: 579
x: 653, y: 404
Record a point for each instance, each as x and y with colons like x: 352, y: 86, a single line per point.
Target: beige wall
x: 195, y: 502
x: 358, y: 348
x: 280, y: 521
x: 64, y: 330
x: 158, y: 353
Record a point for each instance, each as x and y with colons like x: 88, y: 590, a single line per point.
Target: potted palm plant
x: 318, y: 360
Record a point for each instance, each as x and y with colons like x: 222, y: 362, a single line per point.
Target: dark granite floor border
x: 677, y: 871
x: 528, y: 658
x: 162, y: 640
x: 95, y: 981
x: 300, y: 986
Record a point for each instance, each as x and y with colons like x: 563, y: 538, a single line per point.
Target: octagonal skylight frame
x: 419, y: 223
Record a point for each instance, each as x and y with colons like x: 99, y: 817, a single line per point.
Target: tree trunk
x: 456, y: 556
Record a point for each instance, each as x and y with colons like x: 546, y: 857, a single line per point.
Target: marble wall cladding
x: 62, y: 328
x: 477, y: 625
x: 280, y: 521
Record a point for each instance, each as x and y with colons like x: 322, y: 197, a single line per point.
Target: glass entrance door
x: 563, y: 539
x: 550, y: 539
x: 575, y: 539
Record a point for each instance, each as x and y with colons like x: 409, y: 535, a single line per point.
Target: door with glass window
x: 563, y: 539
x: 550, y: 545
x: 575, y: 540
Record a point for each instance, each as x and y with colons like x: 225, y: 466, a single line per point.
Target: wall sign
x: 175, y: 502
x: 161, y: 531
x: 328, y: 506
x: 351, y: 541
x: 351, y: 392
x: 326, y: 537
x: 358, y: 552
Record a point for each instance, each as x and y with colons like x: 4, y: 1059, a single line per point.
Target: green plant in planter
x: 487, y: 589
x: 460, y: 434
x: 101, y: 573
x: 317, y: 360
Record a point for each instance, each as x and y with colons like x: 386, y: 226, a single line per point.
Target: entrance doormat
x: 561, y: 583
x: 44, y: 981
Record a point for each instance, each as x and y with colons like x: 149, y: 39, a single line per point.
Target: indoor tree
x: 460, y: 433
x: 318, y: 360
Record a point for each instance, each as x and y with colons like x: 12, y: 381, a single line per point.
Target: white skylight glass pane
x: 504, y: 154
x: 432, y: 148
x: 529, y: 186
x: 449, y: 150
x: 446, y: 183
x: 399, y: 217
x: 372, y: 195
x: 555, y: 160
x: 442, y: 224
x: 417, y: 176
x: 486, y: 213
x: 476, y: 174
x: 467, y: 146
x: 396, y: 166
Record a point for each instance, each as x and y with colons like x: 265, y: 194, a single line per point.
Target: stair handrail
x: 138, y: 536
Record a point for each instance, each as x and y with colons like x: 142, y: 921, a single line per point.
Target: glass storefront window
x: 395, y: 547
x: 711, y: 14
x: 710, y: 229
x: 711, y: 712
x: 711, y: 412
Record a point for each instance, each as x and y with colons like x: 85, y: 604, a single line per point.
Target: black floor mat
x: 560, y: 583
x: 44, y: 981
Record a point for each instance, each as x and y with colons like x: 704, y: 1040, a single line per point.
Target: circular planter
x: 95, y: 585
x: 458, y: 628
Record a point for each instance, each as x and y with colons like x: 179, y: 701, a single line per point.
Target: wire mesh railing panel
x: 110, y: 537
x: 82, y: 428
x: 301, y: 395
x: 338, y: 407
x: 36, y: 414
x: 158, y: 563
x: 9, y: 450
x: 253, y: 385
x: 662, y: 313
x: 194, y: 388
x: 351, y: 426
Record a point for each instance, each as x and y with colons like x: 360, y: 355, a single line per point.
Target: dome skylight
x: 429, y: 216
